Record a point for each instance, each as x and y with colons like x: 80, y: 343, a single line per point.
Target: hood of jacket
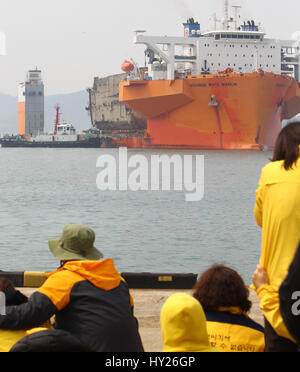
x: 183, y: 325
x: 101, y: 274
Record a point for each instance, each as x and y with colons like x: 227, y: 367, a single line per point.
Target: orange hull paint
x: 233, y: 111
x: 292, y: 102
x: 21, y: 118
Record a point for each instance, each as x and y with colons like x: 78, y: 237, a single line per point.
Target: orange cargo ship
x: 233, y: 111
x: 222, y: 89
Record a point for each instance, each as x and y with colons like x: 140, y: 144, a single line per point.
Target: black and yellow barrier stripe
x: 25, y: 279
x: 160, y: 281
x: 28, y: 279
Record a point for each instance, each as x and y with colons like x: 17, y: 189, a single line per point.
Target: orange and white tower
x: 31, y: 105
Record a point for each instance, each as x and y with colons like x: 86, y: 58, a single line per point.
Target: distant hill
x: 72, y: 108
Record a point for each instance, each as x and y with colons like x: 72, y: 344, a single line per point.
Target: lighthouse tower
x: 31, y: 104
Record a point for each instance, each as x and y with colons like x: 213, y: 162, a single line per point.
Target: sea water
x: 42, y: 190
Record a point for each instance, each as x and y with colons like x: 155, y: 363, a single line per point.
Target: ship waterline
x: 230, y: 111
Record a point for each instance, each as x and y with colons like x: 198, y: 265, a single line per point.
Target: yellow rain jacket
x: 9, y: 338
x: 277, y: 211
x: 231, y: 330
x: 183, y: 325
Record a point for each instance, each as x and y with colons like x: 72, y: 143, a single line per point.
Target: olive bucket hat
x: 75, y: 243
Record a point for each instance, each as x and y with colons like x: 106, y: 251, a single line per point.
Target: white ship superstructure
x: 243, y: 48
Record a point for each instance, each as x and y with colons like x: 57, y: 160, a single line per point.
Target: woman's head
x: 221, y: 287
x: 287, y: 145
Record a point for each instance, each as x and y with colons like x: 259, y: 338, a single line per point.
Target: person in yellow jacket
x: 183, y: 325
x: 277, y: 211
x: 225, y: 300
x: 270, y: 307
x: 8, y: 338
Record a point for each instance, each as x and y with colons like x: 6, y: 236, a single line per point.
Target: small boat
x: 64, y: 136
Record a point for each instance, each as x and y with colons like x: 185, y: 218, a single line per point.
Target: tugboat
x: 64, y: 136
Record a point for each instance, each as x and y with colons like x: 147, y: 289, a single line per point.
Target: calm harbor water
x: 42, y: 190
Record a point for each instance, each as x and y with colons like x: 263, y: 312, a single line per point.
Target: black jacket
x: 90, y: 300
x: 50, y: 341
x: 290, y: 298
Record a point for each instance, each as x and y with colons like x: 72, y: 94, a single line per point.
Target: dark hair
x: 12, y: 296
x: 5, y: 284
x: 287, y: 145
x: 221, y: 286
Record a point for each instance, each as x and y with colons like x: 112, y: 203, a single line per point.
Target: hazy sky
x: 73, y: 41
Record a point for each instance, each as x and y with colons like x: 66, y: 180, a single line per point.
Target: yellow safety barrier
x: 34, y: 279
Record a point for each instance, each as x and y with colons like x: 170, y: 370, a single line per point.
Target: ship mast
x: 57, y: 108
x: 227, y: 19
x: 236, y: 8
x: 226, y: 14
